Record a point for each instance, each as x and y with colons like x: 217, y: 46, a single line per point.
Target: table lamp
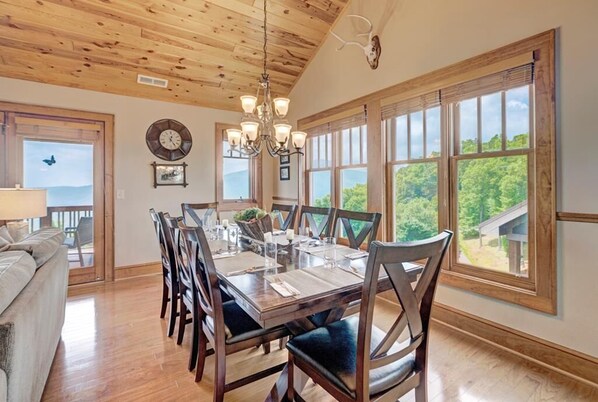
x: 18, y: 204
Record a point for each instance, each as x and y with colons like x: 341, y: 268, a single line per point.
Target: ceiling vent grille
x: 153, y: 81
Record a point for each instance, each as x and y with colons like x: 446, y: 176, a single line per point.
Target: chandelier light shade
x: 263, y: 125
x: 282, y: 133
x: 298, y: 139
x: 234, y: 137
x: 281, y: 106
x: 248, y: 103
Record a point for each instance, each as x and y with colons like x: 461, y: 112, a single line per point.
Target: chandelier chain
x: 265, y: 37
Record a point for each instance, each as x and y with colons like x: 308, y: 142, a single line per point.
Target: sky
x: 73, y: 167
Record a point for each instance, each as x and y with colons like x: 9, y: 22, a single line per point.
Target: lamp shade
x: 233, y: 136
x: 282, y: 132
x: 250, y: 129
x: 22, y: 203
x: 248, y: 103
x: 298, y: 139
x: 281, y: 105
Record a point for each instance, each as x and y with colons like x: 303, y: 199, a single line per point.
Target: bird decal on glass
x: 50, y: 161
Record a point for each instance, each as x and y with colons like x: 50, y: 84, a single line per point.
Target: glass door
x: 66, y: 158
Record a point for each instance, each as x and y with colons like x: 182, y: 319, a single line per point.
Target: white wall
x: 425, y: 35
x: 135, y: 240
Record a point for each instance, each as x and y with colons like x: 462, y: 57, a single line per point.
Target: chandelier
x: 264, y: 125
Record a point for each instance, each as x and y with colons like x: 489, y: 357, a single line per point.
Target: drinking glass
x: 329, y: 252
x: 270, y: 254
x: 304, y: 237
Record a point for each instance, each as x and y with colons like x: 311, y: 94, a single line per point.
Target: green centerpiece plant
x: 254, y: 222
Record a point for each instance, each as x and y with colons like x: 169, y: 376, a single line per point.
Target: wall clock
x: 168, y: 139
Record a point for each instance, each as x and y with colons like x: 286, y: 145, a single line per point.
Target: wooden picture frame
x: 170, y: 174
x: 285, y: 159
x: 285, y: 173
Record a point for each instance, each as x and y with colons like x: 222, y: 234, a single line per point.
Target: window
x: 336, y: 173
x: 238, y: 175
x: 471, y: 148
x: 492, y: 172
x: 412, y: 129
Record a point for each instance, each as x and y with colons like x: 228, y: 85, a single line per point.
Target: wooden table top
x: 321, y: 288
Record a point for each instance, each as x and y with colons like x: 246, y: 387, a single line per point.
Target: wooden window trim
x: 256, y: 173
x: 540, y: 292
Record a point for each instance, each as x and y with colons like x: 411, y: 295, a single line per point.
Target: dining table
x: 300, y: 284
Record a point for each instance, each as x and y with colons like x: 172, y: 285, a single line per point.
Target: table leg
x: 278, y: 392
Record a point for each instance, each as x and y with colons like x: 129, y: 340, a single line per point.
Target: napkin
x: 225, y: 254
x: 356, y: 255
x: 284, y: 289
x: 278, y: 232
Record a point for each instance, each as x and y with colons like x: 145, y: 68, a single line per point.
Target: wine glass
x: 303, y: 237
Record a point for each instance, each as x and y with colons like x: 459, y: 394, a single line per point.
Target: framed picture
x: 285, y: 172
x: 285, y: 159
x: 170, y: 175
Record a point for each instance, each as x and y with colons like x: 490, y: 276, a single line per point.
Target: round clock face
x: 168, y: 139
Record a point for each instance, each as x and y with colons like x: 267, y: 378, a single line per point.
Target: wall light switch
x: 120, y: 194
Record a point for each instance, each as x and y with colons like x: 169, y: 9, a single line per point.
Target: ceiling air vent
x: 153, y: 81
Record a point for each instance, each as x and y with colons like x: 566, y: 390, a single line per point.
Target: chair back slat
x: 198, y: 212
x: 85, y: 230
x: 289, y: 221
x: 369, y: 226
x: 166, y: 245
x: 308, y: 216
x: 205, y: 279
x: 178, y: 245
x: 415, y: 303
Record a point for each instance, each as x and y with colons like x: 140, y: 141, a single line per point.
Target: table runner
x: 241, y: 261
x: 316, y: 280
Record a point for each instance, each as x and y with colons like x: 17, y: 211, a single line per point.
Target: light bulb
x: 298, y: 139
x: 281, y: 105
x: 250, y: 130
x: 248, y: 103
x: 234, y: 137
x: 282, y: 133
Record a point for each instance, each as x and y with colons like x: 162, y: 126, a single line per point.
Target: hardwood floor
x: 114, y: 348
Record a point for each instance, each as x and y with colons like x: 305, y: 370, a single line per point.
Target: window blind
x: 511, y: 78
x: 318, y: 130
x: 417, y: 103
x: 355, y: 120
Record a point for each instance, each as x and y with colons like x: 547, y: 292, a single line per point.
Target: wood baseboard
x: 131, y: 271
x: 564, y: 360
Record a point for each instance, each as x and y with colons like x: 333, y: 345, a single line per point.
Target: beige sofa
x: 31, y: 323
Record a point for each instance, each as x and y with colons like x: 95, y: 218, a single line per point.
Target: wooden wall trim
x: 287, y: 199
x: 567, y: 361
x: 132, y: 271
x: 577, y: 217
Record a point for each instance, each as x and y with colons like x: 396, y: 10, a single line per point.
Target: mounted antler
x: 371, y: 49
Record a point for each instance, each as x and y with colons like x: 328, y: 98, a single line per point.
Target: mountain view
x: 70, y: 196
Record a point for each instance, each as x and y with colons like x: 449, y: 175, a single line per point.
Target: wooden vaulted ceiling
x: 210, y: 51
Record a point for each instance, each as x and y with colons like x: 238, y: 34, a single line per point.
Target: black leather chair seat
x: 238, y: 325
x: 332, y: 350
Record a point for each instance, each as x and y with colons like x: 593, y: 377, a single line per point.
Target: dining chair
x: 289, y: 221
x: 170, y: 283
x: 366, y: 223
x: 198, y: 212
x: 224, y: 325
x: 354, y: 360
x: 185, y: 283
x: 311, y: 215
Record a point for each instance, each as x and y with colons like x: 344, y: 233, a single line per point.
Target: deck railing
x: 62, y: 217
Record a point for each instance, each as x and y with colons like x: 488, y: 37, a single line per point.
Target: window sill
x: 523, y: 297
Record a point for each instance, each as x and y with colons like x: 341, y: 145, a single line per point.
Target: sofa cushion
x: 16, y: 270
x: 42, y: 244
x: 5, y: 237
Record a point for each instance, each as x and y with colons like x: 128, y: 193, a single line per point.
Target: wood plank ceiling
x: 210, y: 51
